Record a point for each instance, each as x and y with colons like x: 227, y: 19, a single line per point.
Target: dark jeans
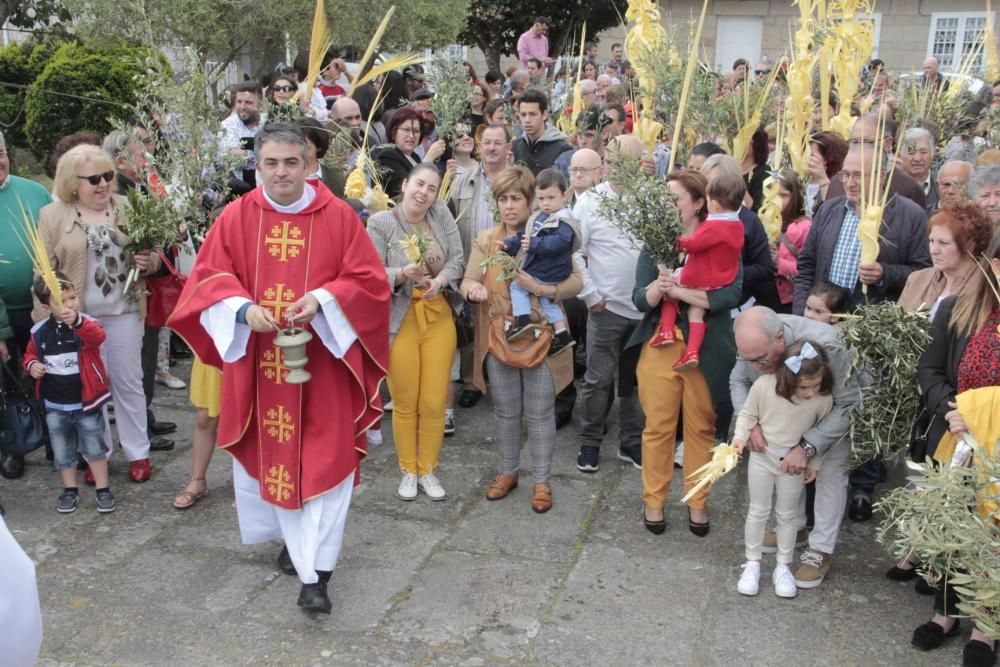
x: 576, y: 319
x: 150, y: 347
x: 865, y: 477
x: 607, y: 334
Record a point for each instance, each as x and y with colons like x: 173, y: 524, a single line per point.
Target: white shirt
x: 606, y: 258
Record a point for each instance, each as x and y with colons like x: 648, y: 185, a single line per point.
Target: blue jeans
x: 520, y: 301
x: 75, y: 431
x: 865, y: 477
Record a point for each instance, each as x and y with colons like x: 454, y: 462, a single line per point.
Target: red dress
x: 713, y: 254
x: 298, y: 441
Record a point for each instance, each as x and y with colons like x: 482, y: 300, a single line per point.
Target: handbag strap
x: 166, y: 262
x: 9, y: 383
x: 789, y: 246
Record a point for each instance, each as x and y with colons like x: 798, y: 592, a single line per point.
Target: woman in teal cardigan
x: 697, y: 393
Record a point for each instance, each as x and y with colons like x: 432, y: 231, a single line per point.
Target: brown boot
x: 501, y: 486
x: 541, y: 498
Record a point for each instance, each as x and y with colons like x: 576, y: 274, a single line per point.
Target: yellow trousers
x: 664, y: 394
x: 419, y: 371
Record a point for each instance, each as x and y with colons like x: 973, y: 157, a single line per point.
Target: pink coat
x: 787, y: 267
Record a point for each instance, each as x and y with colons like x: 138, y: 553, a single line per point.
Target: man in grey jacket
x: 761, y: 338
x: 541, y: 143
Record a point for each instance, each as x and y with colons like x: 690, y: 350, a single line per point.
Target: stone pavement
x: 461, y: 582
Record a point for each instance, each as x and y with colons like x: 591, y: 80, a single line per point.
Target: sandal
x: 187, y: 499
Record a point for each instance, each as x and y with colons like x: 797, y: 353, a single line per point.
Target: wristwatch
x: 807, y: 449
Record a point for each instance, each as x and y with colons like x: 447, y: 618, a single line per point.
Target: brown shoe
x: 541, y: 498
x: 501, y: 486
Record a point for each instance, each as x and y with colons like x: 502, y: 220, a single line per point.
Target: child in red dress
x: 713, y: 259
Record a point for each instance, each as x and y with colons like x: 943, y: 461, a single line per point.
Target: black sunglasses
x: 96, y: 179
x: 283, y: 89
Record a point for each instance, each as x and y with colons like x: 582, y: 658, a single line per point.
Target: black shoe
x: 655, y: 527
x: 156, y: 427
x: 178, y: 349
x: 860, y: 509
x: 105, y: 501
x: 562, y: 419
x: 589, y: 459
x: 924, y: 588
x: 560, y: 342
x: 521, y: 326
x: 313, y: 597
x: 469, y: 398
x: 699, y: 529
x: 160, y: 444
x: 285, y: 563
x: 11, y: 466
x: 979, y: 654
x: 930, y: 635
x: 897, y: 573
x: 631, y: 455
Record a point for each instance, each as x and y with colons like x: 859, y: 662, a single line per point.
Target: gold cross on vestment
x: 279, y: 424
x: 273, y: 367
x: 277, y: 299
x: 284, y: 241
x: 279, y: 482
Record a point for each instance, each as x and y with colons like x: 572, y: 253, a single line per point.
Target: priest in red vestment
x: 291, y: 252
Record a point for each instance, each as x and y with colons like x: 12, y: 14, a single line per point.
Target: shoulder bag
x: 164, y: 293
x: 22, y: 422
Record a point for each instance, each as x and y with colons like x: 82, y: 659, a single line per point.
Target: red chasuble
x: 297, y: 441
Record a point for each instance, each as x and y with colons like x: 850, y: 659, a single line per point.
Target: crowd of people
x: 750, y: 344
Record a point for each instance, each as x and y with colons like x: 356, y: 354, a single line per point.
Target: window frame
x: 958, y: 54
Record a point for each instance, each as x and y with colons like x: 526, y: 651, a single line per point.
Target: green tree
x: 28, y: 13
x: 495, y: 25
x: 417, y: 24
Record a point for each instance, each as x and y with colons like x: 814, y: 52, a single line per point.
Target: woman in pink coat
x: 794, y: 230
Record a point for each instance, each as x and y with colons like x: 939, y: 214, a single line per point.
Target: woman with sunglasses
x: 279, y: 97
x: 82, y: 235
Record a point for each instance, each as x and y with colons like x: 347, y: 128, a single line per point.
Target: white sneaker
x: 679, y: 454
x: 750, y: 579
x: 430, y: 485
x: 408, y: 487
x: 387, y: 406
x: 170, y: 380
x: 784, y: 582
x: 374, y: 436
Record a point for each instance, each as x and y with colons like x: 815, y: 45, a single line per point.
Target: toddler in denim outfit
x: 64, y: 358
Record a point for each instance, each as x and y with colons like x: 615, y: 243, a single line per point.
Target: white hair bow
x: 794, y: 362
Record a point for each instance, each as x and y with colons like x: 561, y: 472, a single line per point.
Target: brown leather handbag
x: 526, y: 352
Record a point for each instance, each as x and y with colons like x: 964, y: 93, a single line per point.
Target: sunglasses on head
x: 96, y: 179
x: 283, y: 89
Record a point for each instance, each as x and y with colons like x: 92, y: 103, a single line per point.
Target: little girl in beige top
x: 785, y: 404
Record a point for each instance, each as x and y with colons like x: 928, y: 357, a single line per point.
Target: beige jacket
x: 923, y: 287
x: 66, y: 241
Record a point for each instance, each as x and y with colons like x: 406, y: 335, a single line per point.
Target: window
x: 953, y: 36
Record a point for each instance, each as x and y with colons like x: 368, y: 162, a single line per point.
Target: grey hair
x: 114, y: 144
x: 3, y: 141
x: 285, y: 133
x: 984, y: 177
x: 725, y: 163
x: 762, y: 319
x: 915, y: 134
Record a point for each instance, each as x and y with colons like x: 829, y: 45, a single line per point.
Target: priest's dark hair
x: 286, y: 133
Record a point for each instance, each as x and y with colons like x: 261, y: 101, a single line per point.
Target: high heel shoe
x: 699, y: 529
x: 655, y: 527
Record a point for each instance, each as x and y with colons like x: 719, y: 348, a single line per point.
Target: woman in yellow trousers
x: 421, y: 249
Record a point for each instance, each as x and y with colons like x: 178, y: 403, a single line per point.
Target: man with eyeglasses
x: 761, y: 338
x: 832, y: 253
x: 916, y: 156
x: 585, y: 172
x: 864, y: 133
x: 15, y: 276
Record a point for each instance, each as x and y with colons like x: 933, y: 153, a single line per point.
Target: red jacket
x: 713, y: 253
x: 93, y: 376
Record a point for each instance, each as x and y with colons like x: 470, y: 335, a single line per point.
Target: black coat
x: 937, y: 371
x: 758, y: 269
x: 393, y: 166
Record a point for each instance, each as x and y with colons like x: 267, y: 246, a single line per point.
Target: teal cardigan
x: 718, y: 352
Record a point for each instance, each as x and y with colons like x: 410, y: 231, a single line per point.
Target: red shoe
x: 139, y: 471
x: 687, y: 362
x: 88, y: 477
x: 662, y: 339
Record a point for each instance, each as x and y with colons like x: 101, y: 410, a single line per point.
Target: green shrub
x: 83, y: 87
x: 15, y: 73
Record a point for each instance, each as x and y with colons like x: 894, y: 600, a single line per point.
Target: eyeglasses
x: 579, y: 171
x: 845, y: 176
x: 282, y: 89
x: 762, y: 360
x: 96, y: 179
x: 409, y: 130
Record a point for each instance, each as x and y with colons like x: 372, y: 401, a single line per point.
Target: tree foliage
x: 20, y: 65
x: 417, y: 24
x: 29, y: 13
x: 495, y: 25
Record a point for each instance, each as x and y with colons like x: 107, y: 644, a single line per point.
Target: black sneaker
x: 588, y: 459
x: 449, y: 424
x: 561, y: 341
x: 631, y: 455
x: 105, y: 502
x: 68, y: 502
x: 860, y: 509
x: 521, y: 326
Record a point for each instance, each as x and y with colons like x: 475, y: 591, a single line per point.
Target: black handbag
x: 918, y: 436
x: 22, y: 422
